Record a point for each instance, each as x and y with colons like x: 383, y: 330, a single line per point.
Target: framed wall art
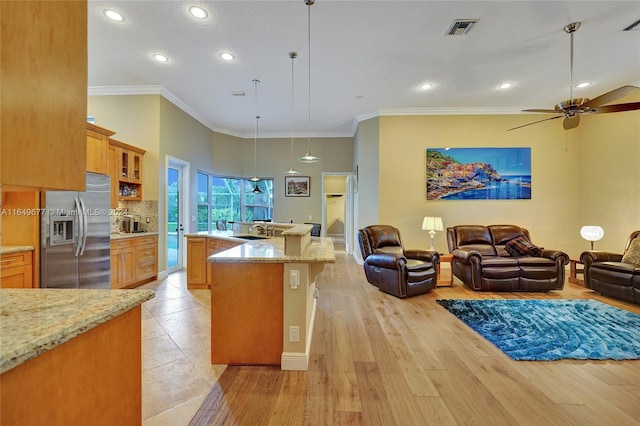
x: 478, y: 173
x: 296, y: 186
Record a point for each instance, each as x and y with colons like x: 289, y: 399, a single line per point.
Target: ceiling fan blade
x: 550, y: 111
x: 611, y: 96
x: 571, y: 122
x: 535, y: 122
x: 616, y: 108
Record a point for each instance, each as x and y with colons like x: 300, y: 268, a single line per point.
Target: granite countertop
x: 14, y: 249
x: 123, y: 235
x: 32, y: 321
x: 271, y: 250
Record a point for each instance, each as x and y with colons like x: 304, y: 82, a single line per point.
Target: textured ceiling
x: 367, y: 58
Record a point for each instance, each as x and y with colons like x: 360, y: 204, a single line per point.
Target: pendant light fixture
x: 292, y: 171
x: 255, y: 177
x: 308, y: 157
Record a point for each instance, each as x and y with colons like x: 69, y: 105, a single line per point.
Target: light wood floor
x: 379, y: 360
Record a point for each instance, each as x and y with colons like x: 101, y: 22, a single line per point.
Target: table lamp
x: 432, y: 224
x: 592, y: 233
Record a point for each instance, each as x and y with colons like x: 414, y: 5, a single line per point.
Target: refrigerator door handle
x: 79, y: 219
x: 85, y: 226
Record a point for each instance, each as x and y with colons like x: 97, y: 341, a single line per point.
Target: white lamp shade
x: 592, y: 232
x: 432, y: 223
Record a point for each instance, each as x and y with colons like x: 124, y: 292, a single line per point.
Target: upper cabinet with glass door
x: 126, y: 170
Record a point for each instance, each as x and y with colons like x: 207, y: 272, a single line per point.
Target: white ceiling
x: 367, y: 58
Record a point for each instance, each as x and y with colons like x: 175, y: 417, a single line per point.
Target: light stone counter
x: 14, y: 249
x: 123, y: 235
x: 269, y: 249
x: 33, y: 321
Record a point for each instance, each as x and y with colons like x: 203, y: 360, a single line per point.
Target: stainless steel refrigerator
x: 74, y: 237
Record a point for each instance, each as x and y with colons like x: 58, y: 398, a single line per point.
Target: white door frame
x: 183, y: 207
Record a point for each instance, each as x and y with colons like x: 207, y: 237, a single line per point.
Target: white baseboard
x: 298, y: 360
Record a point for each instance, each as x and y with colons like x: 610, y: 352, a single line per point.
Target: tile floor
x: 176, y: 371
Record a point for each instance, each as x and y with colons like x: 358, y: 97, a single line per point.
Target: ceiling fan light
x: 584, y: 84
x: 255, y: 179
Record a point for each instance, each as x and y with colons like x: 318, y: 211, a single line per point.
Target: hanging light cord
x: 255, y: 138
x: 292, y: 55
x: 309, y: 3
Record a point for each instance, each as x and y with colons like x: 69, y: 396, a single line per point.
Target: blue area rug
x: 547, y: 330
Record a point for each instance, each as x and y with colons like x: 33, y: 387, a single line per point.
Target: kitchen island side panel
x: 94, y: 378
x: 246, y: 313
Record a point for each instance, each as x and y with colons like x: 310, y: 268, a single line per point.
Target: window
x: 232, y: 199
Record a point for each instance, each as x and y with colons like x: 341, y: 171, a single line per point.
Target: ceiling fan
x: 574, y: 107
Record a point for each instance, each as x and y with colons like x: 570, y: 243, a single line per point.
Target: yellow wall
x: 135, y: 119
x: 588, y: 175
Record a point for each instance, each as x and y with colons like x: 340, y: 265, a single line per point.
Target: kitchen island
x: 263, y: 298
x: 70, y: 356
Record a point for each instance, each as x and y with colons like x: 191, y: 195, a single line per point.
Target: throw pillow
x: 632, y: 255
x: 521, y: 246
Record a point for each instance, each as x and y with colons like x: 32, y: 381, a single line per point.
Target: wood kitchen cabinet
x: 196, y: 266
x: 17, y: 270
x: 125, y: 169
x: 134, y: 261
x: 146, y: 258
x: 44, y: 95
x: 97, y: 148
x: 122, y: 263
x: 198, y: 249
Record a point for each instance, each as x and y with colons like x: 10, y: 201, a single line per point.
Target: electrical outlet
x: 193, y: 218
x: 294, y: 333
x: 148, y: 220
x: 294, y: 278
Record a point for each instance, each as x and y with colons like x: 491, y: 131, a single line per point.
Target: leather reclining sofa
x: 481, y: 261
x: 614, y: 274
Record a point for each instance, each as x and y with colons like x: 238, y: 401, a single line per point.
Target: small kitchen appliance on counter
x: 130, y: 223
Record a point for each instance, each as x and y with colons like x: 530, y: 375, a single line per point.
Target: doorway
x: 176, y: 196
x: 337, y: 210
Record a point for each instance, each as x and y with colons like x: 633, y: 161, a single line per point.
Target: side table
x: 445, y: 282
x: 574, y: 271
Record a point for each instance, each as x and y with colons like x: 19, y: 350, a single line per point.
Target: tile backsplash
x: 147, y: 209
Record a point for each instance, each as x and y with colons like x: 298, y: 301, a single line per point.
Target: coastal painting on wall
x: 478, y: 173
x: 296, y: 186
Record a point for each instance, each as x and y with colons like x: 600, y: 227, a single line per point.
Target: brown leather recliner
x: 391, y: 268
x: 481, y: 261
x: 605, y: 273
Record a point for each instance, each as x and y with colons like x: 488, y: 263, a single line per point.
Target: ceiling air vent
x: 461, y: 26
x: 238, y: 93
x: 633, y: 27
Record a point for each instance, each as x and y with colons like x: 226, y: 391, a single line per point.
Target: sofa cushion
x: 632, y: 255
x: 521, y: 246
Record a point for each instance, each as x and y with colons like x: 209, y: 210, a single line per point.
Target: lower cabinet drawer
x: 146, y: 270
x: 146, y: 252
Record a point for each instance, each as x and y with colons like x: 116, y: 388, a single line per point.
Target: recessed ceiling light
x: 198, y: 12
x: 426, y: 86
x: 581, y: 85
x: 505, y: 85
x: 160, y: 58
x: 113, y: 15
x: 227, y: 56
